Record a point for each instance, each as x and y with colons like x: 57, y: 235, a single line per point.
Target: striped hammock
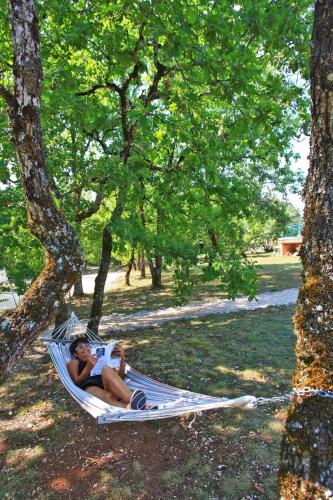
x: 171, y: 401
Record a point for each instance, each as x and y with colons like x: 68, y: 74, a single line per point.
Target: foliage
x: 269, y: 218
x: 21, y: 255
x: 188, y: 110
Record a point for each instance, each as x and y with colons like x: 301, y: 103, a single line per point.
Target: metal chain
x: 306, y: 391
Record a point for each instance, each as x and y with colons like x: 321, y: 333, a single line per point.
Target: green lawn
x: 51, y: 449
x: 274, y: 273
x: 277, y: 273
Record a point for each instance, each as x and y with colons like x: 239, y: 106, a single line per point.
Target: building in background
x: 290, y: 242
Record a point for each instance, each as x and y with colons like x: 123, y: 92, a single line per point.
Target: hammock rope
x: 171, y: 401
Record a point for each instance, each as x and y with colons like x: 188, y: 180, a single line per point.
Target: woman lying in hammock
x: 109, y: 386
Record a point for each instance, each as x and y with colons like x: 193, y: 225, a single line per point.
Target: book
x: 104, y: 355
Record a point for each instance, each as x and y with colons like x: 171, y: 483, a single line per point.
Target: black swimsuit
x: 89, y: 381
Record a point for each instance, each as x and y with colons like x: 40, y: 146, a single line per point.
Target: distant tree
x: 267, y: 221
x: 295, y: 214
x: 306, y: 469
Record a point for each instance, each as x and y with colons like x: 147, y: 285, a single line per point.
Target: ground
x: 51, y: 449
x: 274, y: 273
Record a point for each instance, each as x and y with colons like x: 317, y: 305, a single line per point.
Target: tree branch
x: 98, y: 86
x: 155, y: 168
x: 94, y: 207
x: 94, y: 135
x: 162, y: 70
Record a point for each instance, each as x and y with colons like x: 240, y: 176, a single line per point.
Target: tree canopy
x: 185, y: 109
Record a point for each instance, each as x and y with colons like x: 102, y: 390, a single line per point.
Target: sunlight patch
x: 23, y: 457
x: 252, y: 375
x: 224, y: 370
x: 276, y: 425
x: 143, y: 342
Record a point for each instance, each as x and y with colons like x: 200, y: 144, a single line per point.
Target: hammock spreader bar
x: 171, y: 401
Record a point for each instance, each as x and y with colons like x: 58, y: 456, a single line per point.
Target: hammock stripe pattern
x: 171, y: 401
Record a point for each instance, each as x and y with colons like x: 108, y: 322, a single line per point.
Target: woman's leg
x: 115, y: 384
x: 104, y: 396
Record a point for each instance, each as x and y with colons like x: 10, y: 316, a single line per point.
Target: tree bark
x: 129, y: 268
x: 98, y: 297
x: 142, y: 264
x: 63, y: 313
x: 78, y: 287
x: 306, y: 469
x: 63, y: 253
x: 213, y: 239
x: 156, y: 271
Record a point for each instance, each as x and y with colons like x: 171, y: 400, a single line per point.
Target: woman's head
x: 78, y: 346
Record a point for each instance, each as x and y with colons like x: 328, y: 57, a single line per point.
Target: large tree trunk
x: 63, y: 254
x: 98, y: 297
x: 307, y: 447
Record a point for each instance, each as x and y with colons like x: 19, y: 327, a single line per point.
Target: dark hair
x: 76, y: 342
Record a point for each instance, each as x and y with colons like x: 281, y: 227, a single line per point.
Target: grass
x: 51, y: 449
x: 277, y: 273
x: 273, y: 272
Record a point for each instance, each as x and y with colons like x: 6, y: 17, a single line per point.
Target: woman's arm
x: 121, y: 370
x: 119, y: 351
x: 73, y: 369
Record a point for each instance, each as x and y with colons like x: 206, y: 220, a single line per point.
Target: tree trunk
x: 142, y: 264
x: 78, y: 287
x: 307, y: 448
x: 98, y: 297
x: 63, y: 253
x: 215, y: 245
x: 213, y: 239
x: 63, y: 313
x: 129, y: 268
x: 156, y: 271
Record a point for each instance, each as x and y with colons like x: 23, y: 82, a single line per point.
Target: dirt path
x: 142, y: 319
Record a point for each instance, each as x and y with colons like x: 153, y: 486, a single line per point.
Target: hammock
x: 171, y: 401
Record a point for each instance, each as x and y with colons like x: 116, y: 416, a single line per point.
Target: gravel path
x: 142, y: 319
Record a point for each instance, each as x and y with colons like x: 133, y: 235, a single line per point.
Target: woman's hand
x: 91, y: 362
x: 119, y: 351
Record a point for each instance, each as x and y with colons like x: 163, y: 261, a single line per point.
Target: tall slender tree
x: 63, y: 254
x: 307, y: 447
